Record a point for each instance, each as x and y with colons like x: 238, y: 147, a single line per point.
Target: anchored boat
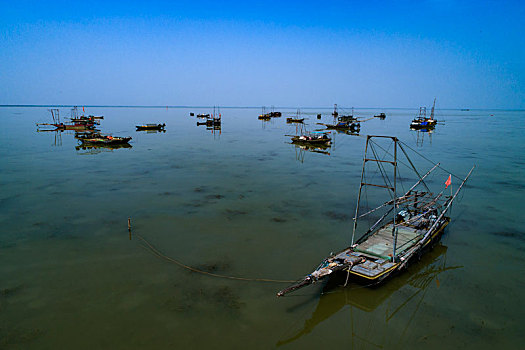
x: 408, y: 224
x: 77, y: 123
x: 422, y: 121
x: 159, y: 127
x: 99, y: 139
x: 353, y: 126
x: 213, y: 120
x: 314, y: 138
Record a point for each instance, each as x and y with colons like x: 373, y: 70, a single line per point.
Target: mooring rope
x: 155, y: 251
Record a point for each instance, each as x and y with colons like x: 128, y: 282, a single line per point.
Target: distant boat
x: 353, y: 126
x: 418, y: 220
x: 78, y: 123
x: 311, y: 138
x: 422, y: 121
x: 151, y: 127
x: 295, y: 119
x: 343, y: 118
x: 213, y: 120
x: 321, y: 139
x: 269, y: 115
x: 380, y: 116
x: 99, y: 139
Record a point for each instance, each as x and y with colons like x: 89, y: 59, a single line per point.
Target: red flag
x: 82, y: 109
x: 449, y: 181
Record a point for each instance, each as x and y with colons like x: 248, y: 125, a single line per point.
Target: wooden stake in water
x: 129, y: 228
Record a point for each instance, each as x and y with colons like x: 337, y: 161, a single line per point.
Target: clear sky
x: 467, y: 54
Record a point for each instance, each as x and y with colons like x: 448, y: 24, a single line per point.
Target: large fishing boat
x: 422, y: 121
x: 407, y: 224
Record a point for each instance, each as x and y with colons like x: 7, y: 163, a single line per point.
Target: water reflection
x: 95, y: 149
x: 420, y: 134
x: 57, y: 134
x: 417, y: 279
x: 348, y: 132
x: 151, y: 131
x: 301, y: 149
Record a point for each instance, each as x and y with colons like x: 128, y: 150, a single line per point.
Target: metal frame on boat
x: 409, y: 223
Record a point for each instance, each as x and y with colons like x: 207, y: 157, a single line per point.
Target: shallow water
x: 245, y: 202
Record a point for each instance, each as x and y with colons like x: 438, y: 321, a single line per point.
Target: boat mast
x: 432, y: 111
x: 379, y: 161
x: 394, y: 229
x: 360, y: 188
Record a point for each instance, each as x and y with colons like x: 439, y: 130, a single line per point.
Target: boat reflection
x: 301, y: 149
x: 99, y: 148
x: 57, y: 133
x: 348, y: 132
x: 420, y: 135
x: 406, y: 292
x: 151, y: 131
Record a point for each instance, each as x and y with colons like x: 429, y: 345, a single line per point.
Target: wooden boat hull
x: 311, y: 142
x: 343, y: 126
x: 106, y: 141
x: 74, y: 126
x: 400, y: 265
x: 294, y: 120
x: 150, y: 127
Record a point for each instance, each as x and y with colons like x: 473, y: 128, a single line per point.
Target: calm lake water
x: 245, y: 202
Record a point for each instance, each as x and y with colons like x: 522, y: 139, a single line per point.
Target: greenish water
x: 245, y: 202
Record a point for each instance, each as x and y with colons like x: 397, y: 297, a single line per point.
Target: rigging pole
x: 432, y: 110
x: 394, y: 229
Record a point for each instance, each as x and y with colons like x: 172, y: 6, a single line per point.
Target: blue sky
x: 468, y: 54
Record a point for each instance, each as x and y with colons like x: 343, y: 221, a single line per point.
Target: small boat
x: 203, y: 116
x: 311, y: 138
x: 84, y: 119
x: 417, y: 221
x: 343, y: 118
x: 151, y: 127
x: 296, y: 118
x: 269, y: 115
x: 82, y: 123
x: 422, y: 121
x: 212, y: 120
x: 321, y: 139
x: 381, y: 116
x: 99, y: 139
x: 353, y: 126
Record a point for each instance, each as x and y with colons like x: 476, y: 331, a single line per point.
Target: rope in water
x: 165, y: 257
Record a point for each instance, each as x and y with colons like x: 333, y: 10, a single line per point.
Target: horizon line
x: 237, y: 107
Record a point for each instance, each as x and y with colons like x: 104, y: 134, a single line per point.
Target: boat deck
x: 380, y: 244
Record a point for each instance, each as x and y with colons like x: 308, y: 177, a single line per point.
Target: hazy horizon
x: 203, y: 53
